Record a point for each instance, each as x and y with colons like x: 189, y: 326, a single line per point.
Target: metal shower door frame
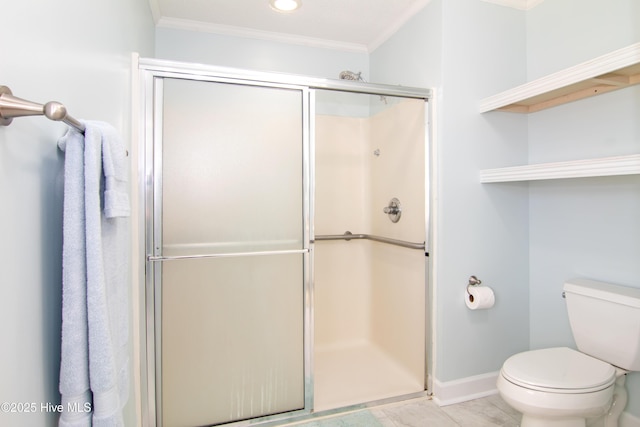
x: 151, y: 74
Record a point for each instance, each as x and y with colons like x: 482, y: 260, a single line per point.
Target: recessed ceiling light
x: 285, y: 5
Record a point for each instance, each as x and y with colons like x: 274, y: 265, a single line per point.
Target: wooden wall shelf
x: 616, y: 70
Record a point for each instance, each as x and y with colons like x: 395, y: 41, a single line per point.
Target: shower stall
x: 285, y: 229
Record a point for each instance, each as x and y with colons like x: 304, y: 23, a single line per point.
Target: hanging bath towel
x: 94, y: 368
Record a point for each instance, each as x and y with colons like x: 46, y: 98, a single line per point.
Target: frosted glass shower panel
x: 232, y: 168
x: 232, y: 339
x: 230, y: 296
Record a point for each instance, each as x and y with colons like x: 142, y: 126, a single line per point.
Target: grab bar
x: 348, y: 236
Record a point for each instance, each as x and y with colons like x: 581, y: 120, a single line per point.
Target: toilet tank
x: 605, y: 320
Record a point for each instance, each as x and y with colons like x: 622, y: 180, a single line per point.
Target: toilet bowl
x: 557, y: 387
x: 562, y: 387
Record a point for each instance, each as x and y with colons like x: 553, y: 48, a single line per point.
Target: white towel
x: 94, y: 371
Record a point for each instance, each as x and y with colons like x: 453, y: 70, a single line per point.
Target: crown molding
x: 516, y: 4
x: 155, y: 10
x: 229, y: 30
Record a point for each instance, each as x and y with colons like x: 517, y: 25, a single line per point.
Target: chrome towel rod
x: 11, y: 106
x: 348, y: 236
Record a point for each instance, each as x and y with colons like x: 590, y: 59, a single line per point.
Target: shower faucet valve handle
x: 394, y: 210
x: 391, y: 210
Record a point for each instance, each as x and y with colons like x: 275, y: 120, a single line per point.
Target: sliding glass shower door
x: 230, y: 248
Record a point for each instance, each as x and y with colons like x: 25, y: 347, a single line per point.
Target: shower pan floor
x: 358, y: 373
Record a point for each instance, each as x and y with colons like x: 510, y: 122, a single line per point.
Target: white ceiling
x: 354, y: 25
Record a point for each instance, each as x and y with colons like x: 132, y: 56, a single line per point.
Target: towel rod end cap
x: 55, y: 110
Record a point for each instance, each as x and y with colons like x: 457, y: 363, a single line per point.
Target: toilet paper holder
x: 473, y: 281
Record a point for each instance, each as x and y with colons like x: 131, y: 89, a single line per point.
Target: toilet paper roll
x: 479, y: 297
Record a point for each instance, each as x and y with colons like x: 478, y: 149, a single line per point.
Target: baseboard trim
x: 456, y: 391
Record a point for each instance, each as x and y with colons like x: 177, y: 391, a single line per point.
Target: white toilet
x: 562, y: 387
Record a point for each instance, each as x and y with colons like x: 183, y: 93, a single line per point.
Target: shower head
x: 350, y: 75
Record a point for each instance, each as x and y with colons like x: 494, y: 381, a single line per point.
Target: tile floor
x: 423, y: 412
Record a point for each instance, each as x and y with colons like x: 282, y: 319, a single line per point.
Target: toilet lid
x: 558, y: 370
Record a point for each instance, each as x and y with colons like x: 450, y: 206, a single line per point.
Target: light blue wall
x: 254, y: 54
x: 78, y: 53
x: 482, y: 230
x: 411, y: 57
x: 563, y: 33
x: 582, y: 227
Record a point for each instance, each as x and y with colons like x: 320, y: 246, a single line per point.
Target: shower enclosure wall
x: 369, y: 297
x: 257, y: 309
